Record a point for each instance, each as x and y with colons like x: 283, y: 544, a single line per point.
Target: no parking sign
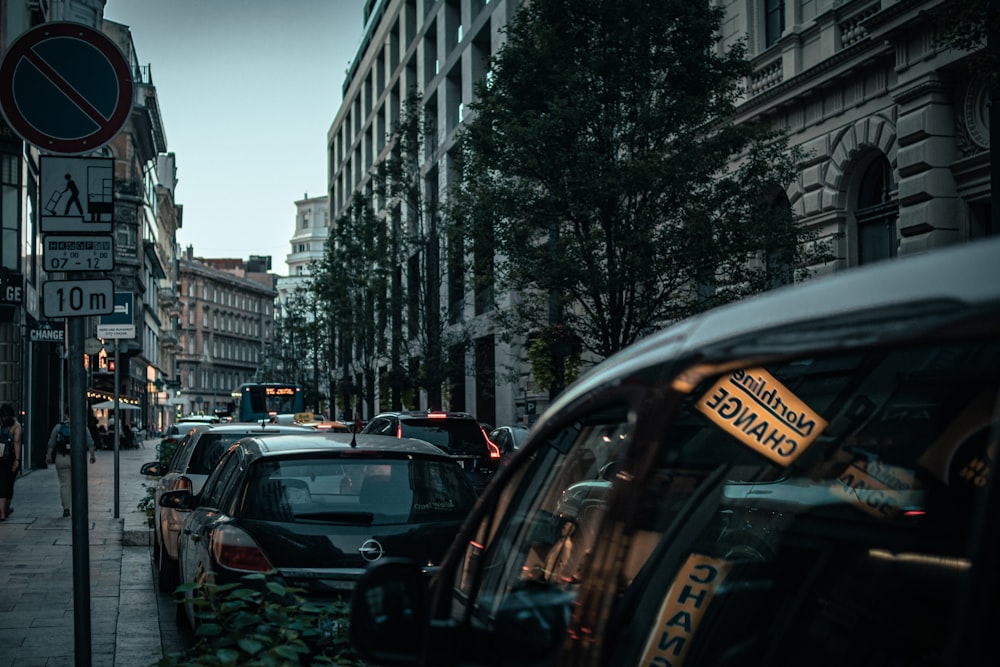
x: 65, y: 88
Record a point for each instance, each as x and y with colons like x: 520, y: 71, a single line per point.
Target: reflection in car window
x: 856, y: 533
x: 551, y: 522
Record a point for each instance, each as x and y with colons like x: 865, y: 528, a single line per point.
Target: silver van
x: 800, y: 478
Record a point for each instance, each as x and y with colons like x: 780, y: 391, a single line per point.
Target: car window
x: 358, y: 491
x: 222, y: 479
x: 208, y: 449
x: 178, y: 462
x: 832, y: 496
x: 379, y: 426
x: 452, y: 435
x: 550, y: 513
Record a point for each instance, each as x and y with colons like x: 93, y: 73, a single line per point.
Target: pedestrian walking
x: 10, y: 457
x: 58, y: 453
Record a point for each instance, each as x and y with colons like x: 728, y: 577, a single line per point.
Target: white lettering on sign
x: 759, y: 411
x: 687, y: 601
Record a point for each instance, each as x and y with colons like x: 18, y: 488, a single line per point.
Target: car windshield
x: 452, y: 435
x: 357, y: 491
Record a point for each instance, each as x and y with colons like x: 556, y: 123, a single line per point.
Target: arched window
x: 876, y: 212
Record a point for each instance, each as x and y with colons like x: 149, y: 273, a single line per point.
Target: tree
x: 417, y: 226
x: 599, y: 163
x: 351, y: 282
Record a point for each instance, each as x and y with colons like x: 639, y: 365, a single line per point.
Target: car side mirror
x: 180, y: 499
x: 151, y: 469
x: 389, y: 613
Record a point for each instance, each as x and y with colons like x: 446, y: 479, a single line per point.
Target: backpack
x: 62, y: 438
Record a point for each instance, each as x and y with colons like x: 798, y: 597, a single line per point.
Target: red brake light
x: 437, y: 415
x: 399, y: 430
x: 235, y: 549
x: 494, y: 450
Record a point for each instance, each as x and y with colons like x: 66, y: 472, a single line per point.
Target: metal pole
x: 78, y: 477
x: 118, y: 425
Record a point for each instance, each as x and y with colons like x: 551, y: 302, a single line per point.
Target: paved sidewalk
x: 36, y: 571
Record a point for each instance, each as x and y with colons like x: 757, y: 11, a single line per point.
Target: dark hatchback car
x: 457, y: 433
x: 196, y: 455
x: 800, y: 478
x: 317, y: 509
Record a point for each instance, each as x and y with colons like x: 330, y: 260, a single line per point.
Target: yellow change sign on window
x: 756, y: 409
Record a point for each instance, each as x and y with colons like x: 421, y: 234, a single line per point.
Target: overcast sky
x: 247, y: 90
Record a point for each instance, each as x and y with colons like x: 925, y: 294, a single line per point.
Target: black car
x: 457, y: 433
x: 317, y: 509
x: 196, y: 455
x: 800, y: 478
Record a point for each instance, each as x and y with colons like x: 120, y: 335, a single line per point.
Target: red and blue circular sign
x: 65, y: 88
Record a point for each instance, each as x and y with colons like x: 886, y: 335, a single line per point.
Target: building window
x: 876, y: 213
x: 774, y: 21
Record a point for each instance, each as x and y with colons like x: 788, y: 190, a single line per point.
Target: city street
x: 131, y: 623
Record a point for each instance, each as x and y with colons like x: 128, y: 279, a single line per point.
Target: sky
x: 247, y: 91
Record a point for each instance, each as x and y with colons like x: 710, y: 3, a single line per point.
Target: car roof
x: 363, y: 444
x: 953, y: 278
x: 253, y: 428
x: 423, y: 414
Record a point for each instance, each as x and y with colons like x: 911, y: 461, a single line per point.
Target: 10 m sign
x: 76, y: 298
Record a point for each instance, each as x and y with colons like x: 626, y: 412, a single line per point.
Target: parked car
x: 508, y: 439
x: 195, y: 457
x: 803, y: 477
x: 180, y: 428
x: 457, y: 433
x: 317, y: 509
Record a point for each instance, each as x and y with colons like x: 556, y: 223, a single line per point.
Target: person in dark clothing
x: 10, y: 457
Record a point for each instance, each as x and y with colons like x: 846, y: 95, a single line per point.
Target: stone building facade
x: 227, y: 318
x: 893, y: 128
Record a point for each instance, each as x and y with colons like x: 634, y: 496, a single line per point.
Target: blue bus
x: 258, y: 401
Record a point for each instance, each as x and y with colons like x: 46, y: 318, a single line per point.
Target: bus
x: 258, y: 401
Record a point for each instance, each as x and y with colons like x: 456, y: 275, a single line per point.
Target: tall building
x: 227, y: 308
x: 893, y: 127
x: 33, y: 352
x: 308, y: 244
x: 438, y: 49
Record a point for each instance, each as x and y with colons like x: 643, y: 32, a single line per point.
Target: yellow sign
x: 683, y: 609
x: 756, y: 409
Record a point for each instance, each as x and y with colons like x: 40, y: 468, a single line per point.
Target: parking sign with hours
x: 78, y: 253
x: 72, y: 298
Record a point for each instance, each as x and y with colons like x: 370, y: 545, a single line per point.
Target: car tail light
x: 437, y: 415
x: 494, y: 450
x: 183, y: 483
x: 233, y: 548
x: 399, y: 429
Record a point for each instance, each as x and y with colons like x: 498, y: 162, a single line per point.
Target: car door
x: 213, y: 502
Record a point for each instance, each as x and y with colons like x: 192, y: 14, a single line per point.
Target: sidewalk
x: 36, y: 571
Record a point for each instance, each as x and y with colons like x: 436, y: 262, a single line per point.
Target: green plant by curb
x: 262, y: 623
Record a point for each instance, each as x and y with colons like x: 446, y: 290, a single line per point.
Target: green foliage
x: 602, y: 167
x: 262, y: 623
x: 550, y: 345
x: 148, y: 504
